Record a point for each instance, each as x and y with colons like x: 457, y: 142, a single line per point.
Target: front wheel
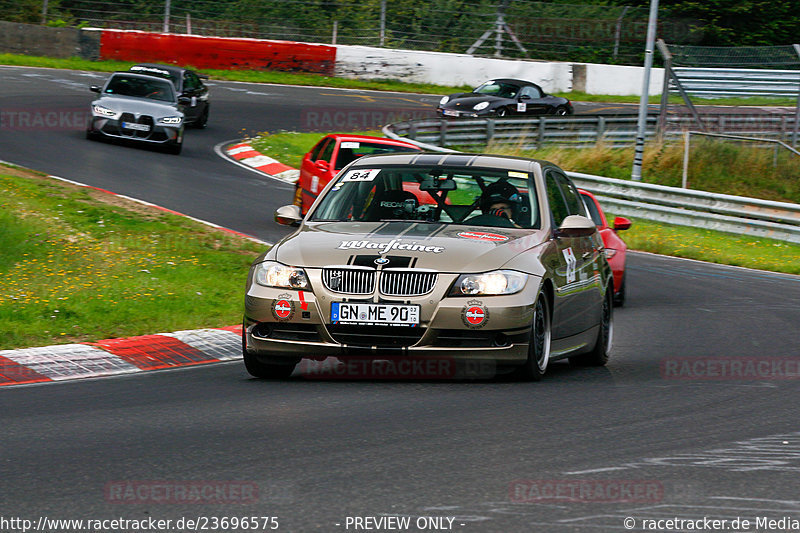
x: 174, y: 148
x: 502, y: 112
x: 539, y: 345
x: 619, y: 297
x: 561, y: 111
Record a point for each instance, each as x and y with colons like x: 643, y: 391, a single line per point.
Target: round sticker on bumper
x: 282, y: 308
x: 474, y: 315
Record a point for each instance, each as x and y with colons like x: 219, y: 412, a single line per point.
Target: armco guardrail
x: 577, y: 130
x: 685, y: 207
x: 716, y: 82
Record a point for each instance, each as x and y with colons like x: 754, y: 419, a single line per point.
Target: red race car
x: 331, y: 154
x: 615, y: 246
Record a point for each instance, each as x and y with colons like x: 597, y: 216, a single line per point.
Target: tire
x: 502, y: 112
x: 202, y: 122
x: 92, y: 136
x: 619, y: 297
x: 600, y: 353
x: 561, y: 111
x: 539, y: 344
x: 174, y: 148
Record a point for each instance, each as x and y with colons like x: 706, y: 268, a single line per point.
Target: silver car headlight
x: 103, y: 111
x: 489, y: 283
x: 170, y: 120
x: 444, y: 100
x: 272, y: 274
x: 481, y: 106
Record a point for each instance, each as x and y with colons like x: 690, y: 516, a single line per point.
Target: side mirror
x: 322, y: 164
x: 184, y: 100
x: 288, y: 215
x: 94, y: 88
x: 621, y: 223
x: 576, y: 226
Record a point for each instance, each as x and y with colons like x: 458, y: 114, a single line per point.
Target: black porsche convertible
x: 501, y: 98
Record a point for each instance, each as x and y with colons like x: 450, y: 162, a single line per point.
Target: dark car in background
x: 189, y: 84
x: 331, y: 154
x: 501, y: 98
x: 138, y: 107
x: 615, y: 247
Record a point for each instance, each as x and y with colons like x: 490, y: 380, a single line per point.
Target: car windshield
x: 496, y: 88
x: 349, y: 151
x: 437, y: 195
x: 140, y: 87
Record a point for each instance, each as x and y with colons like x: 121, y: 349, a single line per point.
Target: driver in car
x: 497, y: 203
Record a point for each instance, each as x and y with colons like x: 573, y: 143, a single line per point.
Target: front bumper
x: 155, y: 133
x: 281, y: 324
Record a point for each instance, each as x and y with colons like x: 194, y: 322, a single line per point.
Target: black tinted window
x: 571, y: 196
x: 558, y: 207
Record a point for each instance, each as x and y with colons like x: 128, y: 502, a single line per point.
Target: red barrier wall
x: 216, y: 52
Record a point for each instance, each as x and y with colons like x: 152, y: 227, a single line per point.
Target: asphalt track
x: 664, y: 426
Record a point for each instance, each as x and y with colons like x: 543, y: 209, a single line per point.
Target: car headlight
x: 272, y: 274
x: 103, y: 111
x: 482, y: 105
x: 489, y: 284
x: 170, y: 120
x: 444, y: 100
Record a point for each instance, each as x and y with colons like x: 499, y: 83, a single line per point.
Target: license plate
x: 368, y: 314
x: 450, y: 112
x: 135, y: 126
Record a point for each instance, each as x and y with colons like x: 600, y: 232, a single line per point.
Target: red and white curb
x: 247, y: 155
x: 120, y: 356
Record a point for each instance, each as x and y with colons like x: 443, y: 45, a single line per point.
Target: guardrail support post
x: 686, y: 137
x: 489, y: 130
x: 443, y: 133
x: 540, y: 140
x: 412, y: 130
x: 601, y: 130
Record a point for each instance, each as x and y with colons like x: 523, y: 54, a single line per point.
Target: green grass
x: 80, y: 265
x: 713, y: 246
x: 292, y: 78
x: 714, y: 165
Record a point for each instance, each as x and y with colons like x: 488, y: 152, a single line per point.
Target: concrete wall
x: 31, y: 39
x: 446, y: 69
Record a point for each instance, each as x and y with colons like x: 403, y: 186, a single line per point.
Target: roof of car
x: 369, y: 138
x: 521, y: 164
x: 513, y: 81
x: 154, y: 68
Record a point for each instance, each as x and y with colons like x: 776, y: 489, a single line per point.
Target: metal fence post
x: 686, y: 137
x: 540, y: 140
x: 601, y: 130
x: 443, y: 133
x: 489, y: 130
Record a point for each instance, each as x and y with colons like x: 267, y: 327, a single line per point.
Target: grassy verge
x: 81, y: 265
x: 712, y: 246
x: 291, y: 78
x: 665, y: 239
x: 714, y: 165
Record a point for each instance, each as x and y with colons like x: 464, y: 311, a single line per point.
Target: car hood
x: 140, y: 106
x: 446, y: 248
x: 470, y: 99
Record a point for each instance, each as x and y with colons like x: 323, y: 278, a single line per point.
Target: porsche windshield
x: 496, y: 88
x: 474, y: 197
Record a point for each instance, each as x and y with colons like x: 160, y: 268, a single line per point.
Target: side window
x: 558, y: 207
x: 189, y: 82
x: 533, y: 92
x: 327, y: 152
x: 573, y: 199
x: 318, y: 148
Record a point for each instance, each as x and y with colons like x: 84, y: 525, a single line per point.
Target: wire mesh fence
x: 502, y: 28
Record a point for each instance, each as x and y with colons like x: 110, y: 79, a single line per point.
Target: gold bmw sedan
x: 434, y: 257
